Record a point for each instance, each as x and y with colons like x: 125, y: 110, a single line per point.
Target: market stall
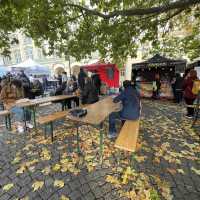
x: 30, y: 67
x: 108, y: 73
x: 145, y: 73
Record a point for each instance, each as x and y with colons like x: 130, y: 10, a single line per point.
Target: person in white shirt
x: 64, y: 77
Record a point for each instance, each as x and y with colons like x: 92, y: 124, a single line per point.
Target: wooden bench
x: 49, y: 119
x: 6, y: 114
x: 128, y: 136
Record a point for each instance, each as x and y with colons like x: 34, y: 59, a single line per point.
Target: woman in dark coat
x: 90, y: 92
x: 189, y: 97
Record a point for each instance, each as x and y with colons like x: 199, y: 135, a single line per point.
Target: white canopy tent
x: 30, y: 67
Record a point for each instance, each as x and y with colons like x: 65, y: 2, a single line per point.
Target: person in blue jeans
x: 130, y: 107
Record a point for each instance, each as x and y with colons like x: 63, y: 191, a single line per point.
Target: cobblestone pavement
x: 169, y: 161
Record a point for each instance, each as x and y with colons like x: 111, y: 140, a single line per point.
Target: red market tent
x: 108, y: 73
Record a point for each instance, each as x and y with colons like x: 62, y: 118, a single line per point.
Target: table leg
x: 24, y: 113
x: 6, y: 122
x: 51, y: 129
x: 101, y: 144
x: 34, y: 118
x: 63, y: 106
x: 45, y: 131
x: 9, y: 122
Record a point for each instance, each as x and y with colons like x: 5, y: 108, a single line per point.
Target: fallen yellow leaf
x: 21, y: 170
x: 16, y: 160
x: 8, y: 186
x: 180, y: 171
x: 63, y: 197
x: 196, y: 171
x: 56, y: 167
x: 46, y: 170
x: 37, y: 185
x: 59, y: 183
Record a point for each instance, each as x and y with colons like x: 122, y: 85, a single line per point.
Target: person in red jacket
x: 189, y: 97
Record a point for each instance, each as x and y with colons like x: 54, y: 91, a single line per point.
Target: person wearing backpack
x: 188, y: 95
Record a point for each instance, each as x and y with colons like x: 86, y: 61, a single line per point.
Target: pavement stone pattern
x: 163, y: 127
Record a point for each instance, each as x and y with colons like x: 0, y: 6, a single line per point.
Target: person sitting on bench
x: 130, y: 107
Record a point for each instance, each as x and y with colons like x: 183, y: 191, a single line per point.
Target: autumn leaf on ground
x: 46, y: 170
x: 59, y: 183
x: 8, y: 186
x: 140, y: 158
x: 37, y: 185
x: 113, y: 180
x: 63, y: 197
x: 21, y: 170
x: 25, y: 198
x: 45, y: 154
x: 56, y: 167
x: 16, y: 160
x: 196, y: 171
x: 180, y: 171
x: 172, y: 171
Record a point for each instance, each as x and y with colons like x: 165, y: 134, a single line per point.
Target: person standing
x: 89, y: 93
x: 130, y: 107
x: 64, y: 77
x: 97, y: 81
x: 81, y: 78
x: 178, y: 91
x: 188, y: 95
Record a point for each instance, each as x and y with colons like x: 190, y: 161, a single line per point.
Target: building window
x: 6, y: 60
x: 122, y: 72
x: 29, y: 53
x: 17, y: 57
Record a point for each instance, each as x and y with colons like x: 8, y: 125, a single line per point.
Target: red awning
x: 103, y: 70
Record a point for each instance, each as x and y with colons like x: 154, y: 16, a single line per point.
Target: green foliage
x: 78, y: 29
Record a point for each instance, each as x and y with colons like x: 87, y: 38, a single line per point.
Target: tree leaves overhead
x: 114, y: 28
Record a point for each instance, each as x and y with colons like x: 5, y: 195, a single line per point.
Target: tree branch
x: 180, y: 4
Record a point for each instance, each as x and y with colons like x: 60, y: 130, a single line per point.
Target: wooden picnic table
x: 96, y: 115
x: 33, y: 103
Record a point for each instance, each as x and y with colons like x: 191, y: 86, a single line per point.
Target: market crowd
x: 87, y: 90
x: 19, y: 87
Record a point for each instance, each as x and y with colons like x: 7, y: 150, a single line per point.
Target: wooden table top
x: 42, y: 100
x: 97, y: 112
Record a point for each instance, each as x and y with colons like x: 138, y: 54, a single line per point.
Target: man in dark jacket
x: 89, y: 93
x: 178, y: 91
x: 97, y: 81
x: 130, y: 107
x: 81, y: 78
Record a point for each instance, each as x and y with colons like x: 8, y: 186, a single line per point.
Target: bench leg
x: 9, y: 122
x: 6, y: 122
x: 45, y: 131
x: 34, y: 119
x: 77, y: 138
x: 51, y: 129
x: 101, y: 143
x: 24, y: 113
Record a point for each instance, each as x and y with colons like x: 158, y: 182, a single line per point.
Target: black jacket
x: 89, y: 94
x: 81, y: 79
